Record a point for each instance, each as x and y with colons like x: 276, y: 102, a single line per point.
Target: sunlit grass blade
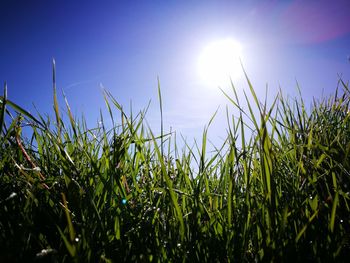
x: 55, y: 101
x: 22, y: 111
x: 161, y: 116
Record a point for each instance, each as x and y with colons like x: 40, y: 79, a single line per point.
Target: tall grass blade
x: 161, y: 117
x: 55, y: 101
x: 3, y: 108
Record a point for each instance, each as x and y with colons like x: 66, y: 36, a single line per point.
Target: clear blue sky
x: 125, y: 45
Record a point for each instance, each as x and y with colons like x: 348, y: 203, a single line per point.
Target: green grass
x: 278, y: 189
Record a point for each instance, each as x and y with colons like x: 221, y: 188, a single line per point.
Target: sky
x: 124, y: 46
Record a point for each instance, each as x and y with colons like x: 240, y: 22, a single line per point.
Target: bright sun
x: 220, y: 61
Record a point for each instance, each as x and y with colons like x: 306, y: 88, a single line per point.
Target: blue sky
x: 125, y: 45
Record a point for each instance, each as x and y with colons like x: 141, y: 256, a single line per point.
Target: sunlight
x: 219, y: 61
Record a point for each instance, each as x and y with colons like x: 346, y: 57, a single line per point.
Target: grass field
x: 278, y: 189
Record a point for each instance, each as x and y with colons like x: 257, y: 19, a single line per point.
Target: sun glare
x: 219, y: 61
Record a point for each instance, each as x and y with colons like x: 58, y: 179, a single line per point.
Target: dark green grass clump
x: 69, y: 193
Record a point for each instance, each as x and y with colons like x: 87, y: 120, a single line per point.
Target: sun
x: 219, y: 61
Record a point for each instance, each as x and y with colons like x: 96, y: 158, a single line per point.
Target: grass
x: 280, y: 192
